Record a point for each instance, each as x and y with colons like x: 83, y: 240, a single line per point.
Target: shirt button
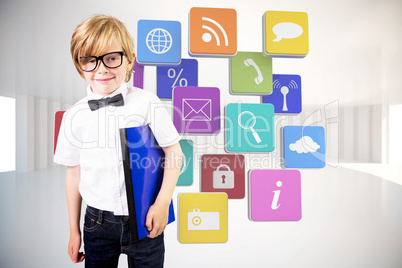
x: 125, y: 218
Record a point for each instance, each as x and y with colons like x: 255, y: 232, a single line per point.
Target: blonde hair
x: 95, y: 34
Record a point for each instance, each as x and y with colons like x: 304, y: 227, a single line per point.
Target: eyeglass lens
x: 111, y: 60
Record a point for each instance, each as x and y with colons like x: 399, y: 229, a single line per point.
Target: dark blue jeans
x: 107, y: 236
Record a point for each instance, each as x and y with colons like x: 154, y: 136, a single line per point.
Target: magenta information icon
x: 196, y: 109
x: 275, y: 195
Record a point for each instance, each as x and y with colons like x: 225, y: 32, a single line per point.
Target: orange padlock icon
x: 223, y: 179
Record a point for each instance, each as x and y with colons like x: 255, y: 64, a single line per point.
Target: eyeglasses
x: 110, y: 60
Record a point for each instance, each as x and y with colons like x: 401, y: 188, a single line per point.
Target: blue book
x: 143, y: 161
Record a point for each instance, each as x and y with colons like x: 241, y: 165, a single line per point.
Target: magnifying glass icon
x: 248, y: 123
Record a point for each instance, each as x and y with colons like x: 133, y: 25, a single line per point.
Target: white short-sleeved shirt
x: 91, y: 139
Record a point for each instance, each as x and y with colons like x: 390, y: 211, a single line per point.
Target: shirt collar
x: 122, y: 89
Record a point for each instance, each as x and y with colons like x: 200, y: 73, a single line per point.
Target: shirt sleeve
x: 67, y: 148
x: 161, y: 123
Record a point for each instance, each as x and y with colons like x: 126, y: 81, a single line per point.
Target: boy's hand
x: 157, y: 219
x: 74, y: 245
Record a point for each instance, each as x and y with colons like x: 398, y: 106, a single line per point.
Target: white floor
x: 350, y: 219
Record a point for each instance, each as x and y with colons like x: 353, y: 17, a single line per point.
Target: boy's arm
x: 74, y: 201
x: 158, y: 214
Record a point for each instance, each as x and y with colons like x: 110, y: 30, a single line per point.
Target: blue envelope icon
x: 196, y: 109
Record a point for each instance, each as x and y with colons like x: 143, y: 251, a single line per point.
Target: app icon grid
x: 213, y: 33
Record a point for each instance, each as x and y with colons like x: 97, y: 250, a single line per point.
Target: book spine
x: 129, y: 185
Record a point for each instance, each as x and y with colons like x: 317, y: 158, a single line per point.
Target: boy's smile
x: 103, y: 80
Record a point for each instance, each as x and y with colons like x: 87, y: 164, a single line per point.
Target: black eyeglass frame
x: 122, y: 53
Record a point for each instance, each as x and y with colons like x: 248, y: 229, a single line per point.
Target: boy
x: 89, y: 145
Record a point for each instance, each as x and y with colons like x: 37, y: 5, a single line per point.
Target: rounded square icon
x: 186, y: 171
x: 250, y: 127
x: 196, y: 109
x: 304, y: 147
x: 285, y: 34
x: 275, y: 195
x: 223, y: 173
x: 168, y: 77
x: 251, y: 73
x: 286, y: 96
x: 159, y: 42
x: 203, y: 217
x: 212, y: 31
x: 138, y: 75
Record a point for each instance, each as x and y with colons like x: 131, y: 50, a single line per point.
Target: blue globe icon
x: 159, y: 41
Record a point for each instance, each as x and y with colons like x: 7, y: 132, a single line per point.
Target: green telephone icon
x: 251, y: 62
x: 251, y: 73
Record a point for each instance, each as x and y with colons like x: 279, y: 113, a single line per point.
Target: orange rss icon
x: 213, y: 31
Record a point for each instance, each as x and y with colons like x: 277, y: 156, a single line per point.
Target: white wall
x: 350, y: 218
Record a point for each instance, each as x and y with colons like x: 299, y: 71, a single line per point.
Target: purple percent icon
x: 138, y: 73
x: 196, y: 109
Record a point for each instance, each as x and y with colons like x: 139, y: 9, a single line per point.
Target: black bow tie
x: 114, y: 101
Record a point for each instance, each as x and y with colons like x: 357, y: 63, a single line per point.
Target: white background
x: 351, y: 82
